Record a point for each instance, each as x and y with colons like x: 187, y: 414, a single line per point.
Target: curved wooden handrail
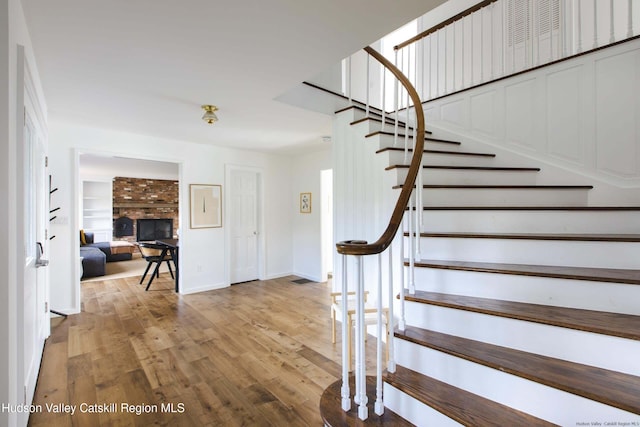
x: 443, y: 24
x: 359, y: 247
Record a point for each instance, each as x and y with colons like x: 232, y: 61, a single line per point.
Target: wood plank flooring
x: 254, y: 354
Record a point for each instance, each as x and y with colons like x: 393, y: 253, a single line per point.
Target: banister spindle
x: 361, y: 377
x: 551, y: 22
x: 481, y: 13
x: 491, y: 7
x: 445, y: 58
x: 630, y: 19
x: 396, y: 97
x: 462, y: 85
x: 391, y: 364
x: 345, y: 393
x: 379, y: 405
x: 611, y: 34
x: 595, y: 24
x: 368, y: 80
x: 579, y: 26
x: 401, y: 320
x: 412, y: 252
x: 349, y: 79
x: 383, y: 96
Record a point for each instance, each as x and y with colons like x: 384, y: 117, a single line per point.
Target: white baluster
x: 481, y: 13
x: 491, y: 7
x: 503, y: 50
x: 422, y: 73
x: 462, y: 56
x: 344, y: 391
x: 349, y: 79
x: 412, y: 252
x: 383, y: 96
x: 630, y: 19
x: 579, y: 25
x: 453, y: 66
x: 539, y: 15
x: 396, y: 97
x: 471, y: 49
x: 368, y: 85
x: 513, y: 39
x: 391, y: 364
x: 611, y: 35
x: 361, y: 369
x: 562, y: 49
x: 595, y: 24
x: 403, y: 270
x: 445, y: 57
x: 437, y: 33
x: 551, y: 21
x: 379, y: 406
x: 429, y: 62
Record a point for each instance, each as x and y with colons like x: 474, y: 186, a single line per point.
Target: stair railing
x: 359, y: 249
x: 495, y: 39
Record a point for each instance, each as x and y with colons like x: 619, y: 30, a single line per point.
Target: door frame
x: 29, y: 101
x: 76, y: 190
x: 229, y: 168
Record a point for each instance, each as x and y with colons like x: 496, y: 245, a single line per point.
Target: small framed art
x: 205, y: 205
x: 305, y: 202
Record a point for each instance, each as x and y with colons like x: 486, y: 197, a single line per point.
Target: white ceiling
x: 146, y: 66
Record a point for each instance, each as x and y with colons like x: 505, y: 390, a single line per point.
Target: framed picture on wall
x: 205, y: 204
x: 305, y: 202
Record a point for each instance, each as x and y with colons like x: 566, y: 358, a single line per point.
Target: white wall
x: 307, y: 238
x: 13, y: 32
x: 203, y: 258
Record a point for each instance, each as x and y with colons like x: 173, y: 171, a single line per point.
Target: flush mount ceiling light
x: 209, y: 114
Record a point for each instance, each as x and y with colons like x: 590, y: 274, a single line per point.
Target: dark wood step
x: 502, y: 187
x: 333, y: 415
x: 468, y: 168
x: 601, y: 385
x: 532, y: 236
x: 599, y: 322
x: 388, y: 121
x: 362, y: 107
x: 428, y: 139
x: 612, y: 275
x: 443, y: 152
x: 460, y: 405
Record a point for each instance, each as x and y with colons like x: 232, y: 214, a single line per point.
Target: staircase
x: 526, y: 308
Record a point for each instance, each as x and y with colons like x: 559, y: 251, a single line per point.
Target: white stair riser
x: 561, y: 343
x: 413, y: 410
x: 582, y: 294
x: 542, y: 221
x: 439, y: 159
x: 504, y: 197
x: 623, y: 255
x: 538, y: 400
x: 470, y: 177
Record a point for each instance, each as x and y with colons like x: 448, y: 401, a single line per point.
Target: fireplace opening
x: 154, y: 229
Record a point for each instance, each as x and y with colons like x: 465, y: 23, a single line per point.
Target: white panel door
x: 244, y: 225
x: 36, y: 214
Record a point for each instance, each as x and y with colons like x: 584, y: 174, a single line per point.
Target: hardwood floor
x: 254, y: 354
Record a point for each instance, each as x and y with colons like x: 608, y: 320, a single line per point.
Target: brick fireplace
x: 137, y: 198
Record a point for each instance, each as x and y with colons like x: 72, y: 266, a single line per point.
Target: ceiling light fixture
x: 209, y: 114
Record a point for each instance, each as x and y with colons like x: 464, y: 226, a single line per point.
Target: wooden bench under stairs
x: 526, y: 308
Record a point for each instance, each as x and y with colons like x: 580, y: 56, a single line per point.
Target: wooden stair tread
x: 534, y: 236
x: 361, y: 107
x: 426, y: 138
x: 444, y: 152
x: 387, y: 121
x: 609, y: 387
x: 502, y: 187
x: 615, y: 275
x: 600, y: 322
x: 458, y: 404
x: 477, y: 168
x: 333, y: 415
